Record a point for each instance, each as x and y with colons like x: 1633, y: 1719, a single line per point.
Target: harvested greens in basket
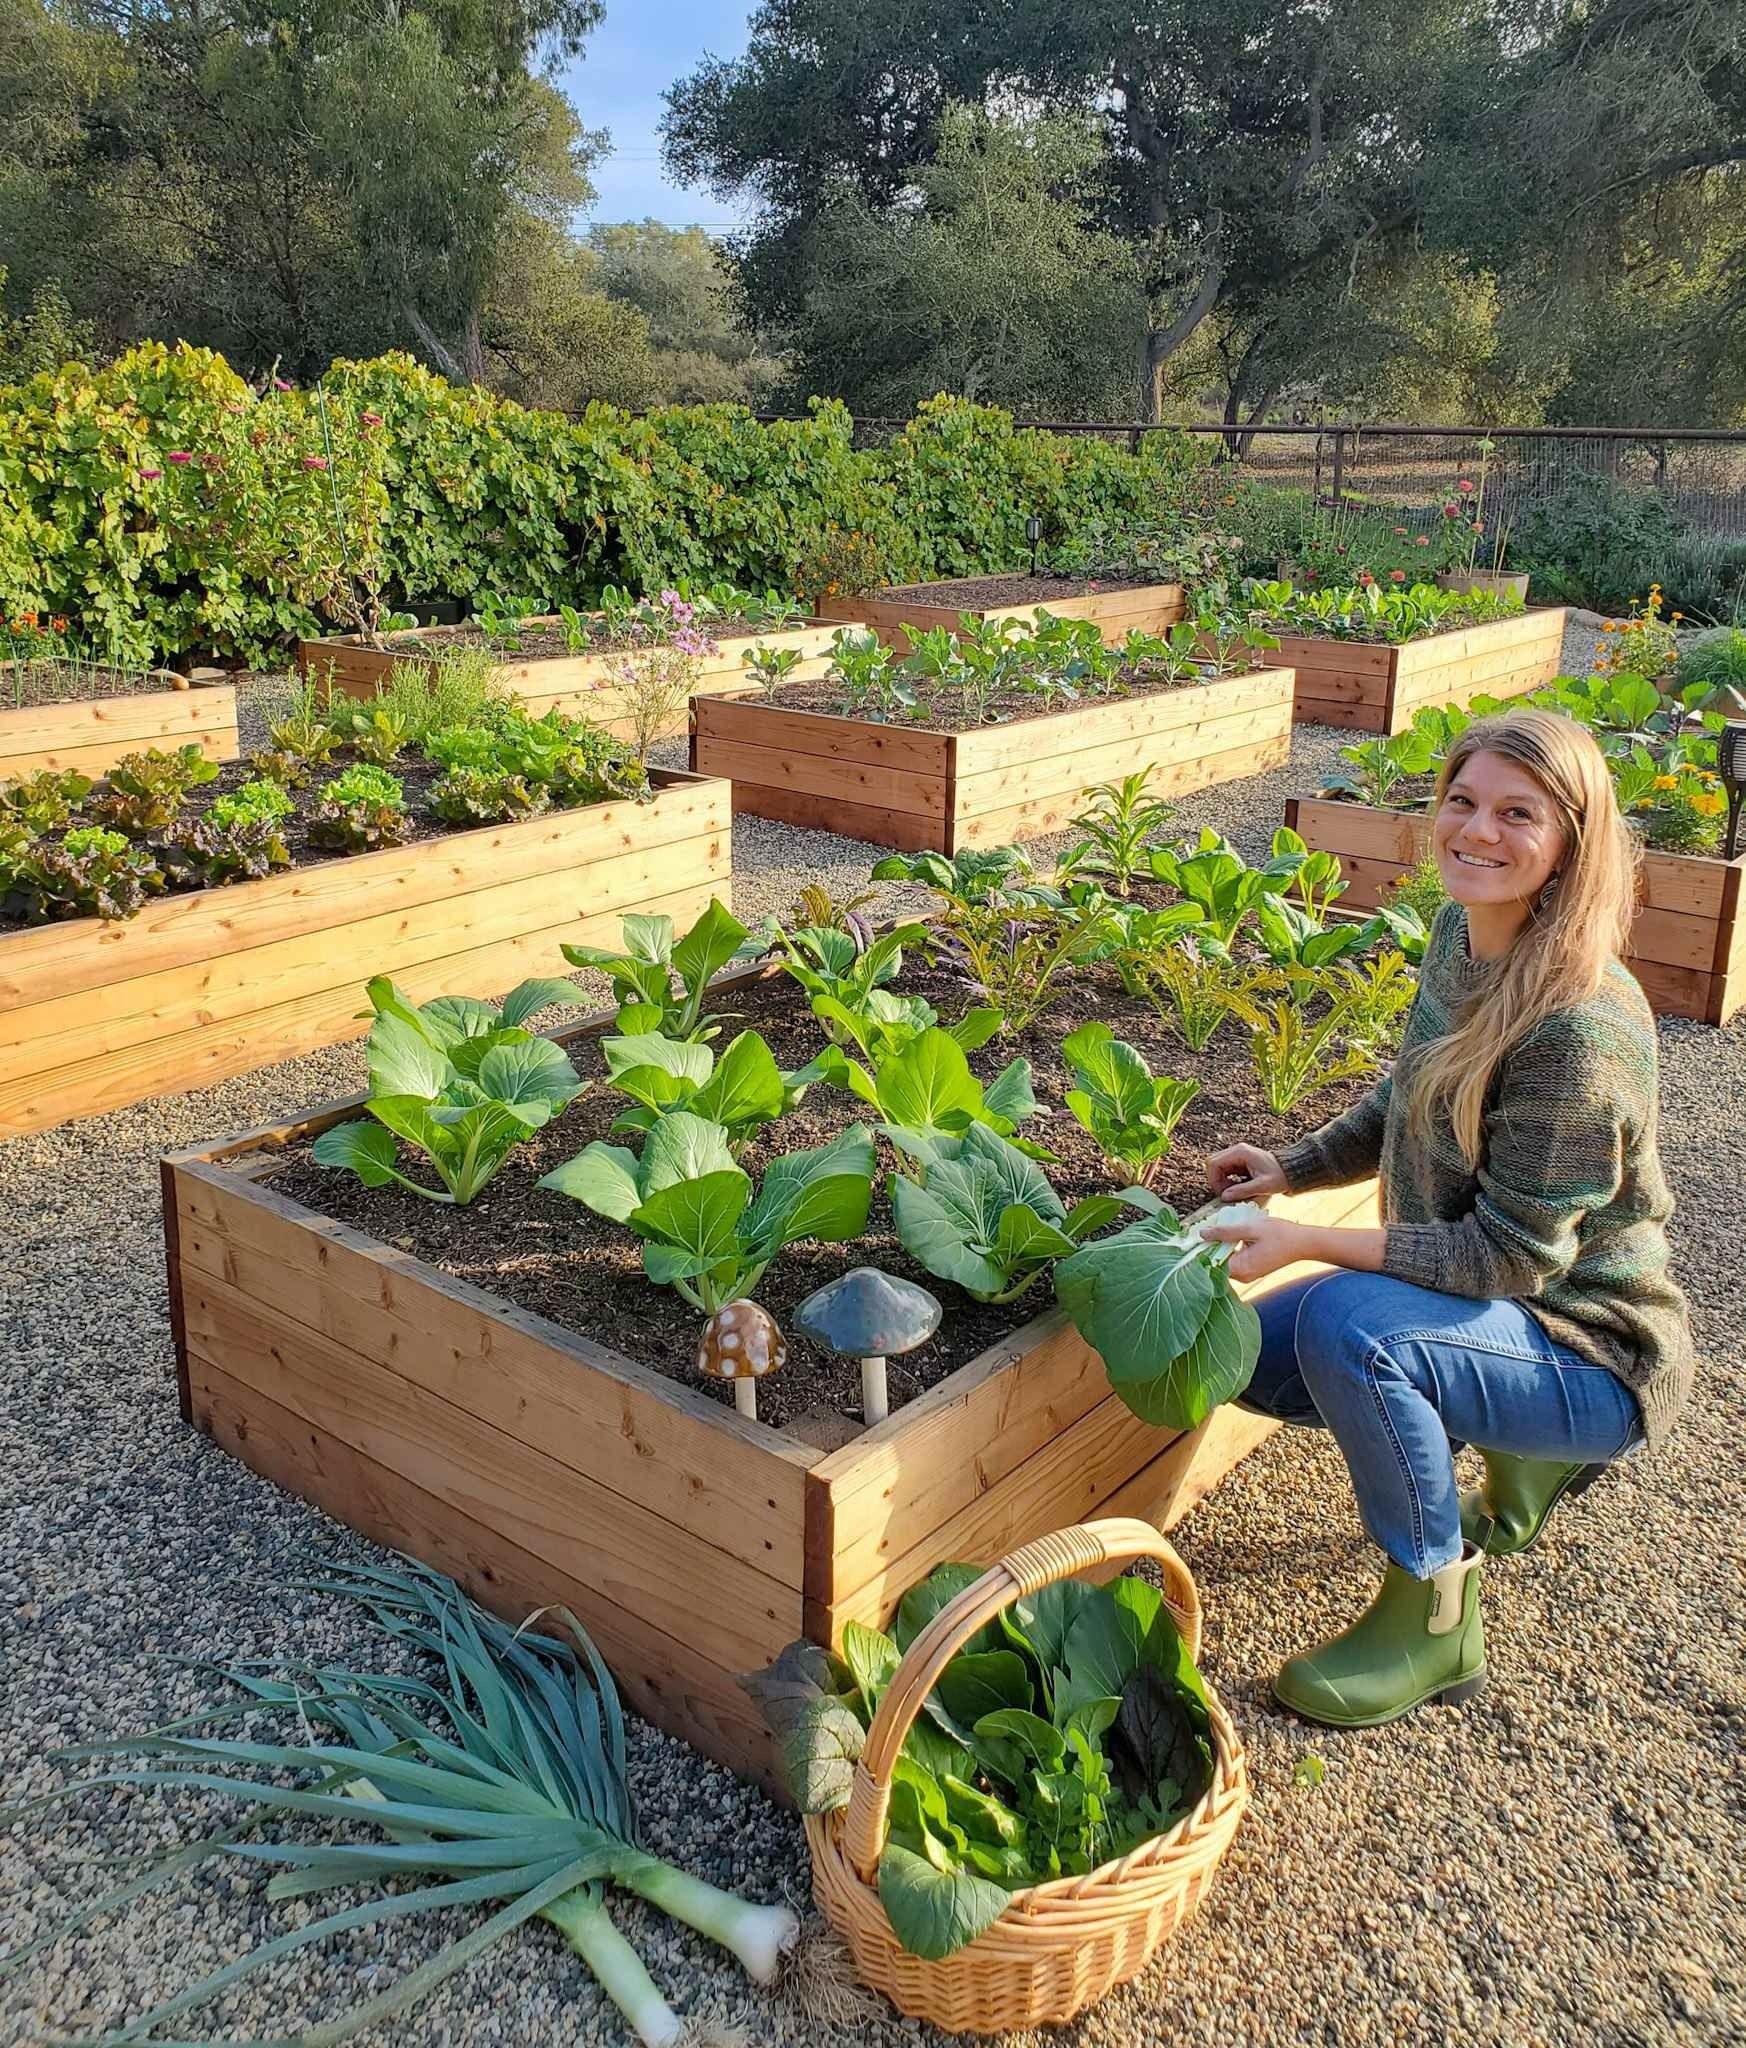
x: 1066, y: 1732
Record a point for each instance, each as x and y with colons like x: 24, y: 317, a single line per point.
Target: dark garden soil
x: 989, y: 593
x: 947, y: 712
x: 550, y: 1255
x: 31, y: 684
x: 416, y: 776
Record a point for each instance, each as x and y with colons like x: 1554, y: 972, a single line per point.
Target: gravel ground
x: 1561, y: 1861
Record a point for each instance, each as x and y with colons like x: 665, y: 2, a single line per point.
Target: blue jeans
x: 1401, y: 1375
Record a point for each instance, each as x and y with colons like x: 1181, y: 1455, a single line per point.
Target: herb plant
x: 457, y: 1081
x: 706, y: 1232
x: 1131, y: 1113
x: 1066, y: 1733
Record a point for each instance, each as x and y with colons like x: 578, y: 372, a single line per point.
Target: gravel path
x: 1561, y: 1861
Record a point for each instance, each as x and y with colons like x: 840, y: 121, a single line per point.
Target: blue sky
x: 640, y: 49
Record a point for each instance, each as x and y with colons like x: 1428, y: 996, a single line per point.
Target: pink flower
x: 315, y: 462
x: 1464, y: 485
x: 1451, y: 510
x: 1400, y: 529
x: 150, y: 476
x: 371, y: 419
x: 1397, y: 575
x: 1423, y: 541
x: 179, y: 455
x: 279, y: 384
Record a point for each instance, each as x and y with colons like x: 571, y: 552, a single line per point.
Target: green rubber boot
x: 1509, y: 1513
x: 1420, y: 1639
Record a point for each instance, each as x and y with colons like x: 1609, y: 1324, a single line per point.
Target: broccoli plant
x: 707, y: 1232
x: 457, y: 1081
x: 1131, y: 1113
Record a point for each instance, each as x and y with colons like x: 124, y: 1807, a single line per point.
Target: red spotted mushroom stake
x: 742, y: 1343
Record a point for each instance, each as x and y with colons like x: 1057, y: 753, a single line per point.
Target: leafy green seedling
x: 1131, y: 1114
x: 742, y: 1091
x: 644, y: 973
x: 456, y: 1080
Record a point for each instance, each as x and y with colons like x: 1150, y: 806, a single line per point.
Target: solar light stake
x: 1731, y: 765
x: 1034, y: 534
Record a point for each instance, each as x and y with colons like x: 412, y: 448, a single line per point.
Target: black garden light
x: 1731, y: 766
x: 1034, y: 534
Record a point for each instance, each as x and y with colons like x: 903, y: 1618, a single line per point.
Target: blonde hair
x: 1580, y: 925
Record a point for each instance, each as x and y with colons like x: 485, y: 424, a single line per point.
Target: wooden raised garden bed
x: 1383, y: 688
x: 91, y: 734
x: 581, y: 685
x: 1151, y: 607
x: 198, y: 987
x: 538, y: 1466
x: 1688, y: 947
x: 917, y: 788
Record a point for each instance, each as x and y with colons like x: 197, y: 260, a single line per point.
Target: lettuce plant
x: 644, y: 973
x: 1156, y: 1304
x: 210, y: 852
x: 742, y: 1091
x: 261, y: 800
x: 1131, y: 1114
x: 484, y: 796
x: 360, y: 809
x: 147, y: 791
x: 1065, y: 1733
x: 987, y: 1218
x: 707, y: 1233
x: 458, y: 1081
x: 90, y: 873
x: 45, y: 801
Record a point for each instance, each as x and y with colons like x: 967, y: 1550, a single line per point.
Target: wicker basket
x: 1060, y: 1945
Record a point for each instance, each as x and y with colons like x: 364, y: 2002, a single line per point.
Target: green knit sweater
x: 1568, y: 1211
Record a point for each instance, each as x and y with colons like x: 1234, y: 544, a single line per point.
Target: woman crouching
x: 1517, y: 1296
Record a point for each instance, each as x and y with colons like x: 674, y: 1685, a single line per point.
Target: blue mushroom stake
x: 872, y: 1316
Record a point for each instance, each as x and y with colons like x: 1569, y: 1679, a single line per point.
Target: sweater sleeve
x: 1556, y: 1146
x: 1348, y: 1149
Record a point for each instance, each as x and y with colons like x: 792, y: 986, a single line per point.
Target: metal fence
x: 1701, y: 475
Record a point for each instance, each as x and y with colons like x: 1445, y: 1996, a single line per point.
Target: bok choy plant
x: 643, y: 974
x: 706, y: 1232
x: 742, y: 1091
x: 1131, y: 1113
x: 927, y: 1097
x: 498, y: 1780
x: 987, y: 1219
x: 456, y: 1080
x: 1066, y: 1732
x: 1156, y: 1304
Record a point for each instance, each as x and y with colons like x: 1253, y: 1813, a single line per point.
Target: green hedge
x: 450, y: 491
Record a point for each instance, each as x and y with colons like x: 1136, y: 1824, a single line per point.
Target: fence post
x: 1135, y: 436
x: 1339, y: 463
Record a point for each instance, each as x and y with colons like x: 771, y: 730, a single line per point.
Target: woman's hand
x: 1244, y: 1173
x: 1264, y: 1244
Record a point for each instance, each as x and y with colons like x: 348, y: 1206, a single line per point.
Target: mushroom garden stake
x: 742, y: 1343
x: 871, y: 1316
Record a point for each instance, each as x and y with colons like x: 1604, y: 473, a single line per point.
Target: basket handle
x: 1063, y: 1555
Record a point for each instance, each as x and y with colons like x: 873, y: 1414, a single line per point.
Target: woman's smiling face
x: 1496, y: 835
